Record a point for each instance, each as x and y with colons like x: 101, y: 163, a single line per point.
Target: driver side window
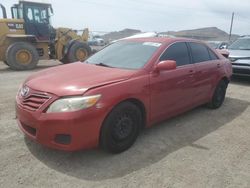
x: 177, y: 52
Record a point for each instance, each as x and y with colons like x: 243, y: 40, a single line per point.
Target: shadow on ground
x: 41, y: 65
x: 152, y: 145
x: 241, y: 80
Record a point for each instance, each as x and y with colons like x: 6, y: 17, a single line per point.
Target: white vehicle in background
x: 139, y: 35
x: 240, y: 56
x: 96, y: 40
x: 142, y: 35
x: 218, y: 44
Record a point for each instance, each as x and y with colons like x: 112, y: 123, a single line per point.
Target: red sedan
x: 127, y: 86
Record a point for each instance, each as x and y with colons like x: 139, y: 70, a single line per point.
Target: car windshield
x: 125, y: 55
x: 240, y: 44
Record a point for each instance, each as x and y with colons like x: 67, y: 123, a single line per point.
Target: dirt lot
x: 201, y: 148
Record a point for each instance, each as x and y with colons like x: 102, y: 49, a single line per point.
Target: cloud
x: 227, y: 7
x: 149, y: 15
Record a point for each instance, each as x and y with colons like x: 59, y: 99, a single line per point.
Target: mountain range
x: 207, y: 34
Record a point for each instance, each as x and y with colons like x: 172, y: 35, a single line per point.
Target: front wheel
x: 22, y: 56
x: 218, y: 96
x: 121, y: 128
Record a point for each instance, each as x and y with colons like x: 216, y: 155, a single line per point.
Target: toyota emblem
x: 24, y: 91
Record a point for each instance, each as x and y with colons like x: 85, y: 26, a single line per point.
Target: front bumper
x: 239, y: 69
x: 64, y: 131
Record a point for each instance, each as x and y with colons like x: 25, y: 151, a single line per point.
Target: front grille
x: 34, y: 101
x: 241, y: 71
x: 241, y: 64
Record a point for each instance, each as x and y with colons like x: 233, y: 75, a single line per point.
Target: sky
x: 149, y: 15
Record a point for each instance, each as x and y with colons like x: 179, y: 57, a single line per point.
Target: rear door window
x: 177, y: 52
x: 199, y: 52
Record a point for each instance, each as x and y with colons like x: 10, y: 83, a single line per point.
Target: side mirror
x: 223, y: 47
x: 166, y: 65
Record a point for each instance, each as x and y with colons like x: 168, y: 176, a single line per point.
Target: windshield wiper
x: 103, y: 65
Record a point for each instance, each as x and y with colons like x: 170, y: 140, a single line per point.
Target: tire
x: 77, y: 52
x: 6, y: 63
x: 93, y: 51
x: 64, y: 60
x: 22, y: 56
x: 218, y: 96
x: 121, y: 128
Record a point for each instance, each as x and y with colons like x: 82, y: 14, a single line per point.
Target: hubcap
x: 81, y: 54
x: 23, y: 56
x: 123, y: 128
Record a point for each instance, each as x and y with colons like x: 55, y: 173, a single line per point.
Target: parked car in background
x: 239, y: 54
x: 127, y: 86
x: 96, y: 41
x: 218, y: 44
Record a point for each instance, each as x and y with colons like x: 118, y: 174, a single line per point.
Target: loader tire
x: 78, y: 52
x: 6, y: 63
x: 22, y: 56
x: 64, y: 60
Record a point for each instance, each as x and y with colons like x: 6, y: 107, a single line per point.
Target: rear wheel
x: 121, y: 128
x: 77, y: 52
x: 218, y: 96
x: 22, y: 56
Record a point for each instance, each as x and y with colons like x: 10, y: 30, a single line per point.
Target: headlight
x: 73, y: 104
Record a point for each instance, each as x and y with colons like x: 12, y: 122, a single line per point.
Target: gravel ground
x: 201, y: 148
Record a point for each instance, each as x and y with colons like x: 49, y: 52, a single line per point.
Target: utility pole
x: 231, y: 27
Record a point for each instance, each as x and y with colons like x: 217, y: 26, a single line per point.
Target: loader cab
x: 4, y: 14
x: 36, y: 18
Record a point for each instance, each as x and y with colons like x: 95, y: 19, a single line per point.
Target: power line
x: 231, y: 27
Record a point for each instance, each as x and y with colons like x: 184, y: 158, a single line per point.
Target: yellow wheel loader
x: 29, y: 37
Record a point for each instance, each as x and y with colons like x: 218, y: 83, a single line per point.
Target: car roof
x: 162, y: 40
x: 245, y: 37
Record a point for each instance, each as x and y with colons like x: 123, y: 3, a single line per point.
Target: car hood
x: 239, y: 54
x: 76, y: 78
